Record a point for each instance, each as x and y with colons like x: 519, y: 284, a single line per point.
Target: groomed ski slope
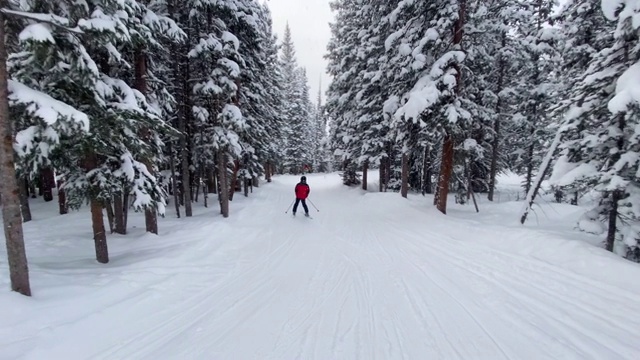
x: 372, y: 276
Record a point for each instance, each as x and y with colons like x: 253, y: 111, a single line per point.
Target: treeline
x: 134, y: 105
x: 443, y: 95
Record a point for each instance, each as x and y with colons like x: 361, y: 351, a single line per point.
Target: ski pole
x: 311, y: 202
x: 289, y: 206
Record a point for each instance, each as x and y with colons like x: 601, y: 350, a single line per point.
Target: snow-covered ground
x: 371, y: 276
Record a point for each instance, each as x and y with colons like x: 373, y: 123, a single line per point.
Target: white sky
x: 309, y: 22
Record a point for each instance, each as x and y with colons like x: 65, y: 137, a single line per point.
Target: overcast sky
x: 309, y: 23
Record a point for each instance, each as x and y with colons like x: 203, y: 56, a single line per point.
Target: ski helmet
x: 303, y: 179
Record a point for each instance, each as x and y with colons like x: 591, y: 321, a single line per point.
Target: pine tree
x: 600, y: 148
x: 295, y: 110
x: 88, y: 76
x: 344, y: 66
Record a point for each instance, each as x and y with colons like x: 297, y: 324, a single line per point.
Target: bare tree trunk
x: 9, y: 191
x: 205, y: 188
x: 150, y: 213
x: 387, y: 166
x: 426, y: 172
x: 48, y: 182
x: 111, y: 217
x: 613, y: 217
x: 97, y: 218
x: 125, y: 209
x: 234, y: 179
x: 62, y: 198
x: 174, y: 181
x: 448, y: 146
x: 495, y: 151
x: 214, y: 177
x: 211, y: 180
x: 381, y: 174
x: 186, y: 178
x: 197, y: 181
x: 404, y: 187
x: 118, y: 211
x: 246, y: 182
x: 184, y: 139
x: 24, y: 200
x: 446, y: 167
x: 530, y: 152
x: 267, y: 171
x: 32, y: 189
x: 223, y: 193
x: 99, y: 235
x: 365, y: 173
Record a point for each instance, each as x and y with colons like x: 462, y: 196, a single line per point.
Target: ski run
x: 373, y: 276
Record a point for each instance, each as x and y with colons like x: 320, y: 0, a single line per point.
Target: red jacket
x: 302, y: 191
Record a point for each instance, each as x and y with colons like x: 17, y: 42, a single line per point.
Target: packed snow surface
x: 371, y: 276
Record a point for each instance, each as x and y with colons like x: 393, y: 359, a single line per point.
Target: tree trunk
x: 613, y: 217
x: 223, y: 193
x: 48, y: 182
x: 99, y: 234
x: 111, y: 217
x: 495, y: 146
x: 184, y: 121
x: 150, y: 213
x: 404, y: 187
x: 62, y: 198
x: 530, y: 152
x: 9, y: 191
x: 32, y: 189
x: 205, y: 187
x: 24, y: 200
x: 118, y: 211
x: 174, y: 181
x: 448, y: 146
x: 197, y: 180
x: 234, y: 179
x: 365, y: 173
x: 211, y: 180
x: 381, y: 174
x: 267, y: 171
x: 186, y: 178
x: 426, y: 172
x: 125, y: 210
x: 444, y: 177
x: 97, y: 218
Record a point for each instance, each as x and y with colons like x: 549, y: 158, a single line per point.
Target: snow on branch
x: 627, y: 90
x: 46, y: 18
x: 43, y: 106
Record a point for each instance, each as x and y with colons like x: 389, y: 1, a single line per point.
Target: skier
x: 302, y: 192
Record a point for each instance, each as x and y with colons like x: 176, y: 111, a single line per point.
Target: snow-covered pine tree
x: 430, y: 63
x: 586, y: 32
x: 295, y: 109
x: 372, y: 88
x: 600, y: 150
x: 344, y: 66
x: 536, y: 85
x: 261, y: 99
x: 87, y: 61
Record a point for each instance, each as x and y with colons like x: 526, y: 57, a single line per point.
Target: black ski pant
x: 304, y: 205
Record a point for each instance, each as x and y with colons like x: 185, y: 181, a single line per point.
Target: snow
x: 371, y: 276
x: 230, y: 38
x: 44, y: 106
x: 627, y: 90
x: 37, y: 32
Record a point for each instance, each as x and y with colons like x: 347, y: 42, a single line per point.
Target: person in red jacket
x: 302, y: 191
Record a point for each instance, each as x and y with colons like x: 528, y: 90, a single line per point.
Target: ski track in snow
x: 368, y: 278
